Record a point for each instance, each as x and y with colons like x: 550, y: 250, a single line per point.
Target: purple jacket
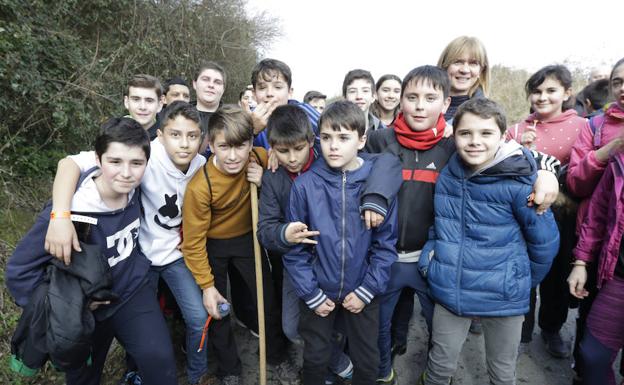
x: 602, y: 230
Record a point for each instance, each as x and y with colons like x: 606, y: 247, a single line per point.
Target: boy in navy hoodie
x: 106, y: 210
x: 489, y: 248
x: 350, y: 264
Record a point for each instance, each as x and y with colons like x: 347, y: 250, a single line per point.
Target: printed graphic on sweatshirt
x: 124, y: 240
x: 169, y: 210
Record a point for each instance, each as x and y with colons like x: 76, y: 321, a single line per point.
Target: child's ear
x: 567, y: 94
x: 447, y: 103
x: 159, y: 132
x: 290, y: 92
x: 362, y: 142
x: 126, y: 101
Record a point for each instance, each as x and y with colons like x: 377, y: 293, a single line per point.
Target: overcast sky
x: 322, y: 40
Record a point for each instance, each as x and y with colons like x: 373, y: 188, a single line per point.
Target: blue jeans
x: 401, y: 275
x: 290, y: 323
x: 189, y: 298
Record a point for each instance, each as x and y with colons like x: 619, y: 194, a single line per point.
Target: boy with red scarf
x: 417, y: 138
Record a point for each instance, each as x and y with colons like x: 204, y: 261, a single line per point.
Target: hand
x: 577, y: 280
x: 254, y: 172
x: 261, y: 114
x: 546, y: 189
x: 603, y: 153
x: 93, y: 305
x: 528, y: 137
x: 372, y: 219
x: 325, y: 308
x: 272, y: 162
x: 353, y: 303
x: 448, y: 131
x: 212, y: 298
x: 61, y: 238
x: 297, y: 232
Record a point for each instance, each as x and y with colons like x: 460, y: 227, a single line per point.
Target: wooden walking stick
x: 259, y: 286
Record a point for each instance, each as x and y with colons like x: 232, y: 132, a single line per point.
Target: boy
x: 488, y: 247
x: 209, y: 85
x: 316, y: 100
x: 349, y: 266
x: 143, y: 102
x: 417, y: 138
x: 106, y: 206
x: 217, y: 233
x: 174, y: 161
x: 176, y: 89
x: 246, y: 99
x: 358, y: 87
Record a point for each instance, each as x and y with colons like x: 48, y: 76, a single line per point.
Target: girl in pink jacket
x: 598, y: 151
x: 552, y: 128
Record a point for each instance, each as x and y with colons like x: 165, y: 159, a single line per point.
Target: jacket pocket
x: 512, y: 282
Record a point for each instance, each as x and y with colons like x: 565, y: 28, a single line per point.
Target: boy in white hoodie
x: 173, y: 162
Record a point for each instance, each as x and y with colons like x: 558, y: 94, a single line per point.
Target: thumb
x: 539, y: 197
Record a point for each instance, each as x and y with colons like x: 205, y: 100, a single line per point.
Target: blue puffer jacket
x: 348, y: 257
x: 489, y: 247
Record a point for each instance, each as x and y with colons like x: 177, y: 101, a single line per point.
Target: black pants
x: 361, y: 331
x: 554, y: 289
x: 402, y: 315
x: 140, y: 328
x: 238, y: 254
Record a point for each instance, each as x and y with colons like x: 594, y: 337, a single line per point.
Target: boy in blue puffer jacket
x: 350, y: 265
x: 488, y: 248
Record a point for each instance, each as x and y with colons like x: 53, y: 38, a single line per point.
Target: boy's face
x: 181, y: 138
x: 477, y: 140
x: 247, y: 101
x: 122, y: 169
x: 209, y: 87
x: 293, y: 158
x: 275, y: 89
x: 360, y: 92
x: 143, y: 104
x: 340, y: 148
x: 422, y: 105
x: 318, y: 104
x: 178, y: 92
x: 229, y: 159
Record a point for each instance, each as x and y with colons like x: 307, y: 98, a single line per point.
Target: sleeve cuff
x: 364, y: 294
x: 282, y: 236
x: 316, y: 300
x: 376, y: 203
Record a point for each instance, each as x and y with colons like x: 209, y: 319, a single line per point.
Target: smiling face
x: 389, y: 94
x: 340, y: 148
x: 464, y: 72
x: 293, y: 158
x: 209, y: 87
x: 181, y: 138
x: 477, y: 140
x: 230, y: 159
x: 360, y: 92
x: 548, y: 98
x: 122, y: 168
x: 143, y: 104
x: 272, y: 86
x: 422, y: 104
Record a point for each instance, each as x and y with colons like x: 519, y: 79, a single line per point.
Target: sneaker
x: 131, y: 378
x: 286, y: 373
x: 391, y: 379
x: 230, y: 380
x: 555, y: 345
x: 476, y: 327
x: 347, y: 374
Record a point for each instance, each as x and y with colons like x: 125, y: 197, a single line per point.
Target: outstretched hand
x: 297, y: 232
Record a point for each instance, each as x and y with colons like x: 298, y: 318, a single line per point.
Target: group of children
x: 420, y: 190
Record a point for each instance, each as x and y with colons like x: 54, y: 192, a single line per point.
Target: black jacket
x: 57, y: 324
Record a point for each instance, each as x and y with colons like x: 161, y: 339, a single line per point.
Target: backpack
x: 595, y: 123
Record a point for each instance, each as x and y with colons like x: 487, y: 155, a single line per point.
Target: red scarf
x: 418, y: 140
x: 305, y: 168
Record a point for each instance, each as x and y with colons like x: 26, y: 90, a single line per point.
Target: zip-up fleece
x: 348, y: 257
x: 489, y: 247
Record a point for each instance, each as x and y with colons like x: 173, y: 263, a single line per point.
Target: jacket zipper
x: 461, y: 252
x: 342, y: 240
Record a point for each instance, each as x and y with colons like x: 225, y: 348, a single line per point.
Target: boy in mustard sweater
x: 217, y: 233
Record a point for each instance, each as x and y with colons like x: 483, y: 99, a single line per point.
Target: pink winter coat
x: 554, y: 136
x: 601, y: 232
x: 584, y: 170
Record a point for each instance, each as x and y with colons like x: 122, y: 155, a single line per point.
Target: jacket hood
x: 511, y: 160
x: 159, y: 155
x: 334, y: 176
x: 562, y: 117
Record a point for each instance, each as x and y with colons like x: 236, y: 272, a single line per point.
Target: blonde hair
x: 235, y: 124
x: 476, y: 50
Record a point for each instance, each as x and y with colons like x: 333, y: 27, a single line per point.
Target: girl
x: 552, y: 129
x: 466, y: 62
x: 386, y: 106
x: 601, y: 139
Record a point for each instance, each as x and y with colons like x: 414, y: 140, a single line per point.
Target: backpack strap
x: 258, y: 159
x: 595, y: 123
x: 205, y: 168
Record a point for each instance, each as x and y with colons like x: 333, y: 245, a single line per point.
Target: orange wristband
x: 60, y: 214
